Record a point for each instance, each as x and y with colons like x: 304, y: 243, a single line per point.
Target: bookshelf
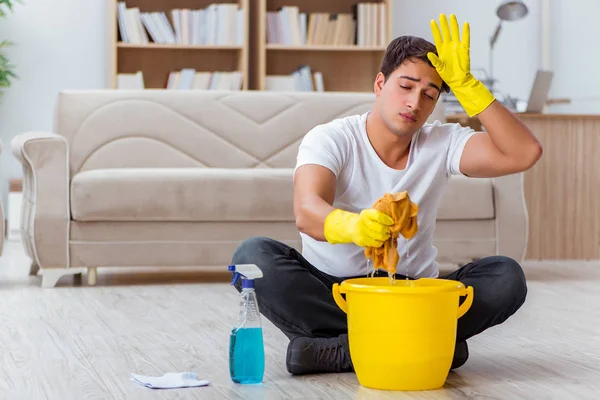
x: 157, y: 40
x: 331, y: 45
x: 343, y: 41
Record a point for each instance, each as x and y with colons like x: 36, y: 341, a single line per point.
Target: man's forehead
x: 423, y: 72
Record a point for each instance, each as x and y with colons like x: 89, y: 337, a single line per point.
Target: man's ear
x: 379, y: 82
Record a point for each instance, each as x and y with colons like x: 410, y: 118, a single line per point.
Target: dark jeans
x: 296, y: 297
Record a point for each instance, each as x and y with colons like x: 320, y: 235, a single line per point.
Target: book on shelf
x: 130, y: 81
x: 190, y: 79
x: 365, y: 26
x: 186, y: 79
x: 217, y: 24
x: 301, y: 80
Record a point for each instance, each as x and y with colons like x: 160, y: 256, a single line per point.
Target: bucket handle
x: 339, y: 300
x: 464, y: 307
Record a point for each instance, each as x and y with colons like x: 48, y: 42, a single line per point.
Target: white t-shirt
x: 343, y: 146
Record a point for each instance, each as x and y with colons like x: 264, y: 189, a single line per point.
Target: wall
x: 517, y: 53
x: 59, y: 44
x: 574, y: 55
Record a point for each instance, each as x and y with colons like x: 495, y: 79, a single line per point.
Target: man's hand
x: 507, y: 146
x: 453, y: 63
x: 370, y: 228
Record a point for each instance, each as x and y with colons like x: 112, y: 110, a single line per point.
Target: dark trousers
x: 296, y: 297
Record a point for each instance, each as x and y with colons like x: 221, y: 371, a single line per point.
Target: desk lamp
x: 511, y: 10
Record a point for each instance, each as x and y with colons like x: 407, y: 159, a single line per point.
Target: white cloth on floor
x: 170, y: 380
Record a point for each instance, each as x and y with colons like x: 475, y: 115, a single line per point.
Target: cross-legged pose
x: 345, y: 165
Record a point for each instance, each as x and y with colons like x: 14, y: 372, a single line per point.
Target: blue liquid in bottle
x: 246, y: 348
x: 246, y: 355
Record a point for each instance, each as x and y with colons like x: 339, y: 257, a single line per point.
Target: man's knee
x: 265, y: 253
x: 254, y: 250
x: 512, y: 285
x: 515, y: 277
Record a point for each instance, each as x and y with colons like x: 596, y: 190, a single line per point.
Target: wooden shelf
x: 348, y: 67
x: 157, y: 60
x: 324, y: 47
x: 344, y: 68
x: 178, y: 46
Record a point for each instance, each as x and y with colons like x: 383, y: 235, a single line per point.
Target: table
x: 562, y: 191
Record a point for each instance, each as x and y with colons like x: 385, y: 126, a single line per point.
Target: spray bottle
x: 246, y: 347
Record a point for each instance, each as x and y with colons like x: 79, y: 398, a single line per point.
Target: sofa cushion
x: 467, y: 199
x: 213, y: 194
x: 183, y: 194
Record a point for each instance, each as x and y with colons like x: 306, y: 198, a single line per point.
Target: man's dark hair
x: 407, y: 48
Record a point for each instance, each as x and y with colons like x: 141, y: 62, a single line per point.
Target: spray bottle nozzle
x: 248, y: 273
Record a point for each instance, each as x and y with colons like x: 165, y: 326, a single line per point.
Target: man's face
x: 408, y: 97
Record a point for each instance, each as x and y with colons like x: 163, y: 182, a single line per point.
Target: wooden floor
x: 80, y: 342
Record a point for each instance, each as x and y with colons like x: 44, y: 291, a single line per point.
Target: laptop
x: 539, y: 91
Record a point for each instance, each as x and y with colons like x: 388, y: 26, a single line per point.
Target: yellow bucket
x: 402, y: 335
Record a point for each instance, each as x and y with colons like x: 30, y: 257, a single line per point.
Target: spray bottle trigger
x: 236, y: 276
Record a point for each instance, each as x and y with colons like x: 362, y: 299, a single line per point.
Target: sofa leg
x: 92, y: 275
x: 33, y: 268
x: 50, y: 276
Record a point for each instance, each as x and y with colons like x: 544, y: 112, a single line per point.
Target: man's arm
x: 507, y: 147
x: 314, y: 192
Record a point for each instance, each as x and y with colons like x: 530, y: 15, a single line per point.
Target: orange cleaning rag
x: 404, y: 213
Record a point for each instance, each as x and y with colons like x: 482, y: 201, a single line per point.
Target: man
x: 344, y: 166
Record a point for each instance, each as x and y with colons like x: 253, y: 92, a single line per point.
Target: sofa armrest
x: 512, y: 221
x: 45, y: 209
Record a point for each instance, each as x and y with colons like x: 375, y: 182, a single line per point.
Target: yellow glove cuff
x: 473, y: 96
x: 334, y: 229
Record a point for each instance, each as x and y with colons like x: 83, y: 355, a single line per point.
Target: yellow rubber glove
x: 369, y: 228
x: 454, y: 65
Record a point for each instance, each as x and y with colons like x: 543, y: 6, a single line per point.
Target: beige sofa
x: 180, y: 178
